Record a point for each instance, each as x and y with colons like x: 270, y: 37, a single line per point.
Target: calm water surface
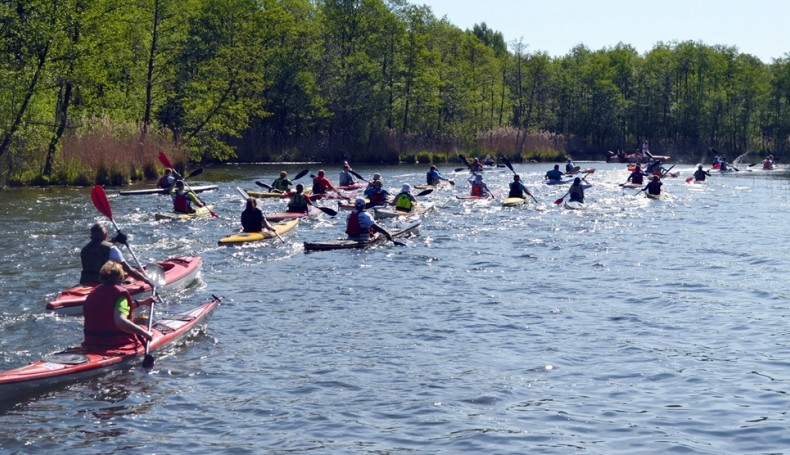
x: 633, y: 326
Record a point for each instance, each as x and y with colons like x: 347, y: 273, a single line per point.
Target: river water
x: 633, y: 326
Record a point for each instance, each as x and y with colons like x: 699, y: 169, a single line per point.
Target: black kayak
x: 195, y: 189
x: 344, y: 244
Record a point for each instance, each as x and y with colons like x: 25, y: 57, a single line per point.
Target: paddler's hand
x: 147, y: 335
x: 120, y: 237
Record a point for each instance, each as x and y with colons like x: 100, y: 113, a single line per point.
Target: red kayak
x: 78, y: 362
x: 332, y: 195
x: 292, y: 215
x: 494, y: 195
x: 178, y: 272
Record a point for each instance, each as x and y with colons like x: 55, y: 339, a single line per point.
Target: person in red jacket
x: 108, y: 312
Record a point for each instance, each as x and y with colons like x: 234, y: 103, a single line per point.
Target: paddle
x: 166, y: 163
x: 99, y: 199
x: 355, y: 174
x: 559, y: 201
x: 510, y: 166
x: 268, y: 187
x: 688, y: 180
x: 463, y: 158
x: 246, y: 196
x: 156, y: 275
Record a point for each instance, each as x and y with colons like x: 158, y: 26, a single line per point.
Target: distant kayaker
x: 637, y: 176
x: 321, y: 184
x: 98, y: 251
x: 376, y: 194
x: 724, y: 166
x: 488, y: 161
x: 167, y: 180
x: 555, y: 175
x: 570, y: 168
x: 404, y: 201
x: 183, y: 200
x: 108, y: 311
x: 654, y: 186
x: 476, y: 166
x: 346, y: 178
x: 479, y: 187
x: 655, y: 167
x: 252, y: 219
x: 700, y: 174
x: 282, y: 183
x: 768, y: 162
x: 576, y: 191
x: 299, y: 202
x: 517, y: 188
x: 376, y: 177
x: 360, y: 225
x: 433, y: 177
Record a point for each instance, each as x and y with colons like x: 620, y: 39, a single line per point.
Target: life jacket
x: 403, y: 202
x: 699, y: 175
x: 768, y: 164
x: 319, y: 185
x: 377, y: 197
x: 477, y: 189
x: 281, y: 184
x: 637, y: 178
x: 298, y: 203
x: 93, y: 257
x: 163, y: 182
x: 99, y: 326
x: 515, y: 190
x: 252, y: 221
x: 181, y: 203
x: 577, y: 194
x: 353, y: 228
x: 654, y: 188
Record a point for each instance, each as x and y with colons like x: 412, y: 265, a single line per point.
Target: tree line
x: 92, y: 90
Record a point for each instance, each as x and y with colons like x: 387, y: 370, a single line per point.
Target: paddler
x: 167, y: 180
x: 376, y: 194
x: 346, y: 179
x: 321, y: 184
x: 479, y: 188
x: 252, y: 219
x: 654, y: 186
x: 700, y: 174
x: 517, y: 188
x: 108, y: 310
x: 555, y: 175
x: 433, y: 177
x: 183, y: 200
x: 298, y: 203
x: 360, y: 225
x: 570, y: 167
x: 98, y: 251
x: 576, y: 191
x: 282, y: 183
x: 404, y: 201
x: 637, y: 177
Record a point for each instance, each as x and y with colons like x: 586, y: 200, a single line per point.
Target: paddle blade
x: 263, y: 185
x: 458, y: 169
x: 425, y: 192
x: 301, y: 174
x: 165, y: 160
x: 688, y: 180
x: 148, y: 361
x: 463, y: 158
x: 355, y: 174
x: 327, y: 210
x: 100, y: 201
x: 451, y: 183
x: 194, y: 173
x: 507, y: 163
x: 559, y: 201
x: 156, y: 274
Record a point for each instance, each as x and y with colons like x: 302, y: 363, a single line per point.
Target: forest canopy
x: 92, y: 90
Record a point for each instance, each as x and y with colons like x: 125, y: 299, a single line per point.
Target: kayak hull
x: 195, y: 189
x: 178, y: 273
x: 200, y: 212
x: 494, y: 195
x: 275, y: 194
x: 78, y: 362
x: 248, y: 237
x: 513, y: 201
x: 345, y: 244
x: 292, y: 215
x: 381, y: 213
x: 574, y: 205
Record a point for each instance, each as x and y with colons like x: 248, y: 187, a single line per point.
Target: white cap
x: 405, y: 188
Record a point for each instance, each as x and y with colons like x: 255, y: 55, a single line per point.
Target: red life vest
x: 99, y: 326
x: 181, y: 204
x: 477, y: 189
x: 377, y: 197
x: 353, y: 229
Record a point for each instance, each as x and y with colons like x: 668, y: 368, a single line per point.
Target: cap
x: 376, y: 176
x: 321, y: 173
x: 405, y: 188
x: 359, y: 202
x: 283, y: 173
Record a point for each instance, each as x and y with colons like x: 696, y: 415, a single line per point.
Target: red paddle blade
x: 100, y: 201
x: 164, y: 160
x: 559, y: 201
x: 688, y: 180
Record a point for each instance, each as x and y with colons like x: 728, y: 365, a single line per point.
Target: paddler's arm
x: 124, y: 324
x: 195, y: 200
x: 130, y: 271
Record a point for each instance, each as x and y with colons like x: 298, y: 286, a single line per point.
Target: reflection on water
x: 630, y: 326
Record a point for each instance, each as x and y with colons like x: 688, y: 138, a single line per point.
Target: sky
x: 757, y: 27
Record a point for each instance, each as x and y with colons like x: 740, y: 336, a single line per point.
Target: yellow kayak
x: 513, y: 201
x: 246, y: 237
x: 199, y: 212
